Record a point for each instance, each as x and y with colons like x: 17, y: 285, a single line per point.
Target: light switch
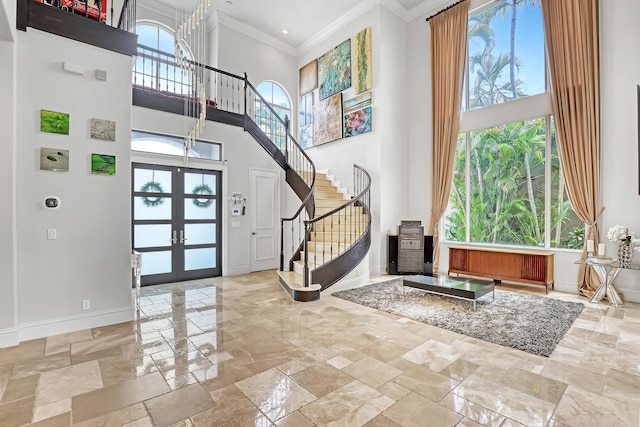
x: 52, y: 234
x: 235, y: 224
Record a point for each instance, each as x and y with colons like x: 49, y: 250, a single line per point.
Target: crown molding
x: 253, y: 33
x: 363, y: 7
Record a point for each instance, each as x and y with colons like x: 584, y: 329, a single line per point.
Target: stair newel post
x: 286, y: 137
x: 281, y: 244
x: 305, y: 269
x: 246, y: 113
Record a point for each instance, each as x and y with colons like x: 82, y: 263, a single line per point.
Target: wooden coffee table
x: 454, y: 287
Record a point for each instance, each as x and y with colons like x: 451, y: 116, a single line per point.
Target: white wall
x: 241, y: 152
x: 8, y: 314
x: 91, y: 257
x: 620, y: 74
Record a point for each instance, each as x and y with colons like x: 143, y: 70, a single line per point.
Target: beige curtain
x: 571, y: 31
x: 448, y: 56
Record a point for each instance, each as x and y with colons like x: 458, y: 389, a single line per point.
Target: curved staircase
x: 330, y: 233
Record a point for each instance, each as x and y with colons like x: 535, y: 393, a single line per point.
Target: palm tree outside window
x: 507, y: 185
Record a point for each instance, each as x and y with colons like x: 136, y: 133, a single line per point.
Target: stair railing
x: 342, y: 228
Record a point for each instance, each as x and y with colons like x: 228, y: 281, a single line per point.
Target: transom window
x: 507, y: 185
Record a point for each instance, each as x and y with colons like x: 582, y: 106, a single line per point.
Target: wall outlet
x: 86, y: 304
x: 52, y: 234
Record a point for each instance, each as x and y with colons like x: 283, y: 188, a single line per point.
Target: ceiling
x: 303, y: 19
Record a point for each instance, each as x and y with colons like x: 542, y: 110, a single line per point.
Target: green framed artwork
x: 103, y: 164
x: 54, y: 159
x: 362, y: 61
x: 334, y: 70
x: 54, y: 122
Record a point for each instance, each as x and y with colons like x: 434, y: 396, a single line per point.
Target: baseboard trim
x: 9, y: 337
x: 63, y: 325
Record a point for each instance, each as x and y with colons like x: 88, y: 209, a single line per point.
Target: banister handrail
x: 197, y: 64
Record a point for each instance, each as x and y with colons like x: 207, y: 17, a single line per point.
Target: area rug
x: 526, y: 322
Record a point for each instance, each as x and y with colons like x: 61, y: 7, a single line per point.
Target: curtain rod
x: 444, y: 10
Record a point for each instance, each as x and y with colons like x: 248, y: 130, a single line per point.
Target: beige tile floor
x: 236, y: 351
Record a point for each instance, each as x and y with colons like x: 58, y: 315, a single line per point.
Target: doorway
x: 177, y: 222
x: 265, y: 219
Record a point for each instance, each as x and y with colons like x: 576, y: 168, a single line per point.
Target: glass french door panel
x: 151, y: 207
x: 151, y: 180
x: 200, y: 183
x: 156, y: 262
x: 197, y: 259
x: 151, y: 235
x: 195, y: 208
x: 200, y: 234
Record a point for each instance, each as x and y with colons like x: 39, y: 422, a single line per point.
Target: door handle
x: 182, y: 238
x: 174, y: 238
x: 253, y: 233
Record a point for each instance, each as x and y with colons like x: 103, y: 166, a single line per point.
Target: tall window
x: 155, y: 68
x: 507, y: 187
x: 276, y: 97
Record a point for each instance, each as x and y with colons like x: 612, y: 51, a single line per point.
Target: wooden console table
x: 531, y: 267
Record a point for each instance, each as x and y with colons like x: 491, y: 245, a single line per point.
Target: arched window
x: 155, y: 66
x: 276, y: 97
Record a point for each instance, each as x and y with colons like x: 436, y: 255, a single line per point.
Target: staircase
x: 330, y: 233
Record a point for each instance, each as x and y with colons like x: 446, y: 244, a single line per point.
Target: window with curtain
x: 507, y: 187
x: 156, y: 70
x: 276, y: 97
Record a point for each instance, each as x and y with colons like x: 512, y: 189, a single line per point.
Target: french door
x: 177, y: 227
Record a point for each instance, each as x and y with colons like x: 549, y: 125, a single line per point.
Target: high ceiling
x: 303, y: 19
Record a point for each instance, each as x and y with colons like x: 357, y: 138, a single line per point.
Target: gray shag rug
x: 524, y: 322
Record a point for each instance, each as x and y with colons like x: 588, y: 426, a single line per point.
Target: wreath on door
x: 152, y: 187
x: 202, y: 189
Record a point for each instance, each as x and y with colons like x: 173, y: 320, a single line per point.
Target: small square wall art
x: 54, y: 122
x: 334, y: 70
x: 54, y: 159
x: 103, y: 129
x: 103, y: 164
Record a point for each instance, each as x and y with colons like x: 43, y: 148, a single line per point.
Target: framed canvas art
x: 334, y: 70
x: 54, y: 159
x: 327, y: 120
x: 54, y: 122
x: 103, y: 129
x: 103, y: 164
x: 309, y: 77
x: 362, y: 61
x: 357, y: 122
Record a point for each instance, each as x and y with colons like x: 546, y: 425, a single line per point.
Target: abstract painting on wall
x: 309, y: 77
x: 327, y: 120
x: 306, y: 136
x: 103, y: 164
x: 358, y: 102
x: 357, y: 122
x: 54, y: 122
x: 362, y: 60
x: 334, y: 70
x: 54, y: 159
x: 103, y: 129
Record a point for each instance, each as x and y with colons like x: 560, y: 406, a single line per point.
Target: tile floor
x: 236, y: 351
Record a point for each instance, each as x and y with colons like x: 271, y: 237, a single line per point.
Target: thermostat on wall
x: 51, y: 202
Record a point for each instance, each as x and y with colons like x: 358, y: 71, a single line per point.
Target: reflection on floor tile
x: 236, y: 351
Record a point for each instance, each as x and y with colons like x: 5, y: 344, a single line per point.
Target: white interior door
x: 265, y: 219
